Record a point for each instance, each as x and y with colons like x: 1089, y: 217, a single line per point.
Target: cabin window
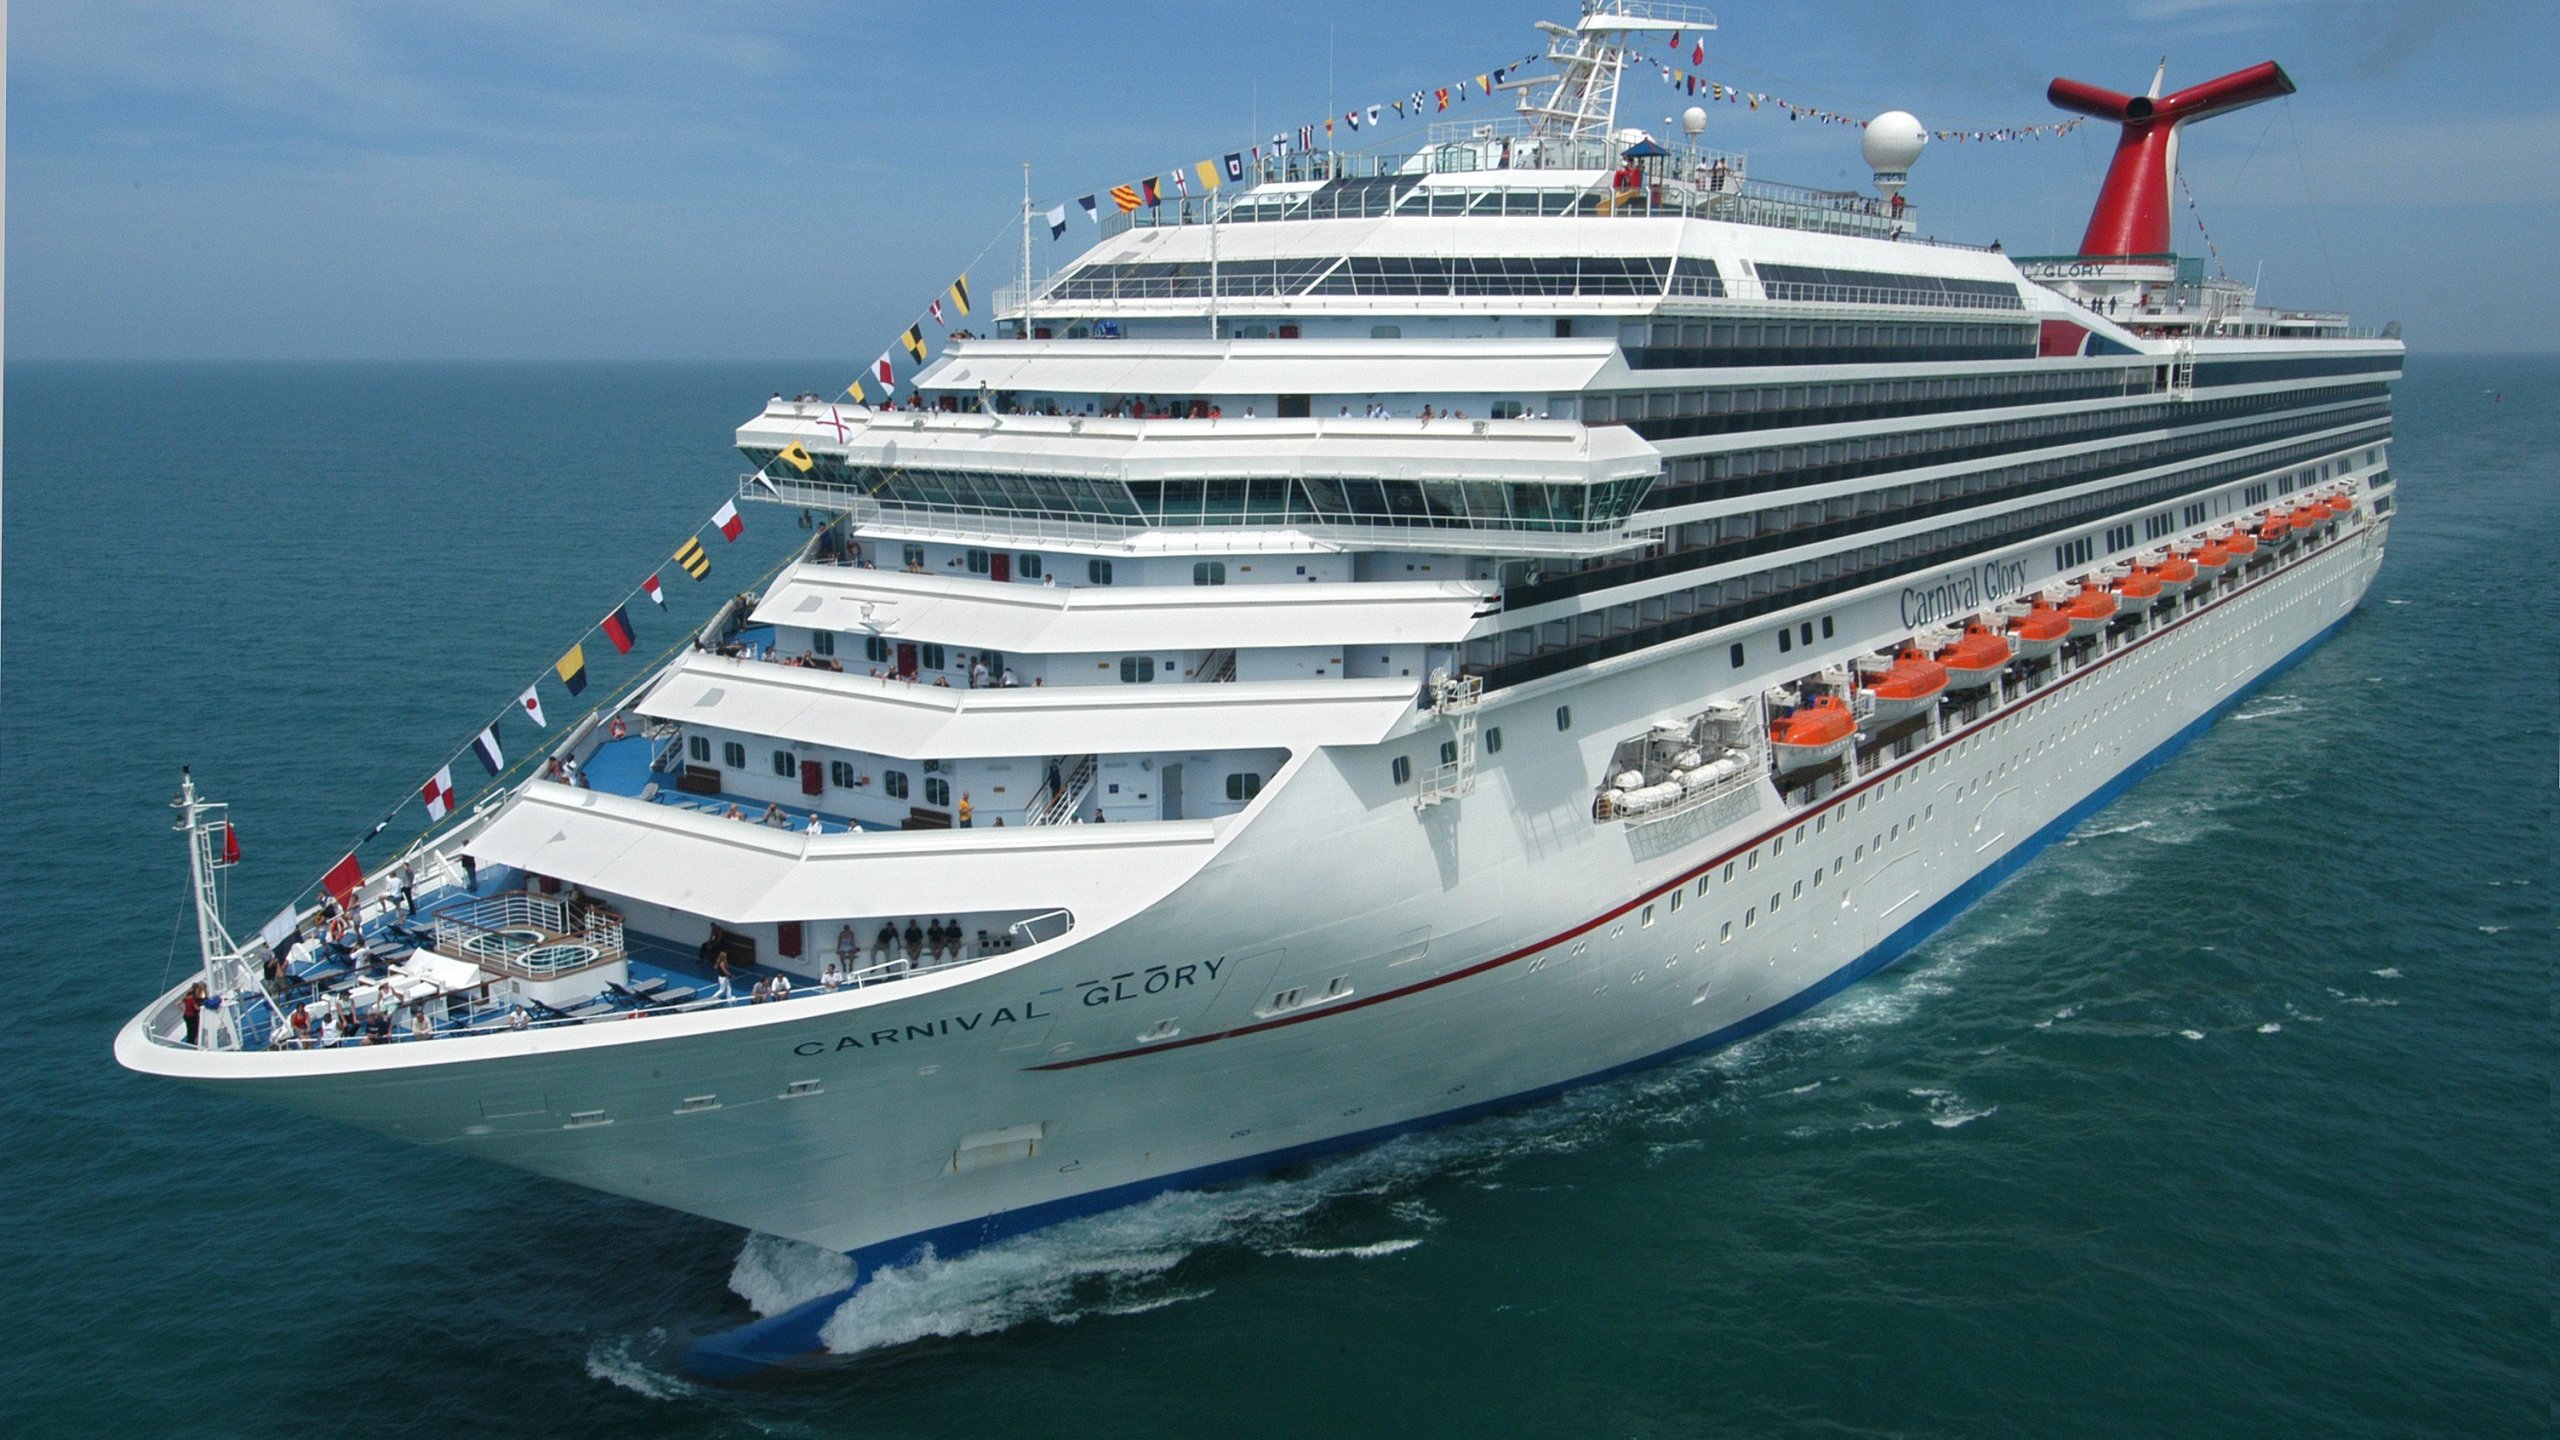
x: 1448, y: 752
x: 894, y: 784
x: 733, y: 754
x: 877, y: 649
x: 978, y: 562
x: 1564, y: 717
x: 1493, y: 740
x: 841, y: 774
x: 1097, y: 572
x: 698, y: 747
x: 937, y: 791
x: 822, y: 642
x: 1027, y: 566
x: 1400, y: 770
x: 1784, y: 643
x: 932, y: 657
x: 1243, y: 786
x: 1209, y: 572
x: 1137, y: 669
x: 1386, y: 332
x: 1736, y: 652
x: 914, y: 557
x: 784, y: 765
x: 1826, y: 627
x: 1647, y: 922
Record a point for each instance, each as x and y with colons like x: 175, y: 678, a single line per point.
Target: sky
x: 538, y: 180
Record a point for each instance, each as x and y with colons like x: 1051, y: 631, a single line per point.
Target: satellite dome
x: 1894, y: 139
x: 1693, y: 121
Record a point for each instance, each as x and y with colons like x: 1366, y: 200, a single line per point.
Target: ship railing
x: 529, y: 936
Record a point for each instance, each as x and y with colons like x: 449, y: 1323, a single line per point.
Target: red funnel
x: 2134, y: 205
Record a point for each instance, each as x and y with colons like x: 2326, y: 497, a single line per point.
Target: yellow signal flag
x: 1207, y: 170
x: 960, y: 293
x: 854, y: 392
x: 1125, y: 196
x: 691, y: 560
x: 914, y: 341
x: 797, y: 456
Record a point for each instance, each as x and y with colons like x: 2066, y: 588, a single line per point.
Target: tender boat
x: 1903, y: 689
x: 2039, y: 630
x: 1976, y: 658
x: 1813, y: 734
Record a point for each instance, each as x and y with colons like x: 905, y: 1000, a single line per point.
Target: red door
x: 786, y: 938
x: 813, y: 778
x: 999, y: 567
x: 907, y: 661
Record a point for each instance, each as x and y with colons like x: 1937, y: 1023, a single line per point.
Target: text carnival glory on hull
x: 1401, y: 635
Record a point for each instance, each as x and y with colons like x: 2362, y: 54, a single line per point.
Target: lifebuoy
x: 617, y: 727
x: 337, y: 927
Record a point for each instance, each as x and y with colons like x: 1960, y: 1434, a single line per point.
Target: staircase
x: 1062, y: 804
x: 2182, y: 369
x: 1218, y: 667
x: 1457, y: 701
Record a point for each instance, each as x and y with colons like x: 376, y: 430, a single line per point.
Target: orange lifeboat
x: 2139, y: 588
x: 1906, y: 688
x: 2310, y: 517
x: 2176, y: 573
x: 2240, y: 543
x: 1812, y: 734
x: 1976, y: 659
x: 2340, y: 504
x: 2275, y: 530
x: 2211, y: 556
x: 2090, y: 610
x: 2040, y: 631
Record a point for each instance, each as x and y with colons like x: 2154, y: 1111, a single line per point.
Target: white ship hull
x: 1486, y: 952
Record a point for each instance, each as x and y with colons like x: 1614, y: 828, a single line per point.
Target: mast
x: 1026, y: 249
x: 225, y: 975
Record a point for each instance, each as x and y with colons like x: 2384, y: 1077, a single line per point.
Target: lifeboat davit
x: 2340, y: 504
x: 1813, y: 734
x: 2139, y: 588
x: 2090, y: 610
x: 1976, y: 659
x: 1906, y: 689
x: 2176, y: 573
x: 2040, y: 631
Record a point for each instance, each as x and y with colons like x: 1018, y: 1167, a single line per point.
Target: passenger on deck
x: 832, y: 979
x: 328, y: 1029
x: 951, y: 936
x: 733, y: 812
x: 420, y: 1027
x: 298, y: 1026
x: 781, y: 988
x: 814, y: 826
x: 915, y: 940
x: 933, y: 940
x: 966, y: 810
x: 885, y: 947
x: 191, y: 1010
x: 763, y: 992
x: 720, y: 988
x: 773, y: 816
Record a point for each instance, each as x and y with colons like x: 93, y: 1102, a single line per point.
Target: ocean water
x: 2230, y: 1116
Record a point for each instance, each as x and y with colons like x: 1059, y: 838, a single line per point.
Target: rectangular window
x: 822, y: 642
x: 977, y: 562
x: 1027, y: 566
x: 1400, y: 770
x: 1646, y: 923
x: 1097, y: 572
x: 733, y: 754
x: 1737, y: 655
x: 877, y: 649
x: 1448, y: 752
x: 841, y: 774
x: 1564, y: 717
x: 1209, y: 572
x: 914, y: 558
x: 699, y: 747
x: 894, y: 783
x: 1493, y: 740
x: 937, y: 790
x: 784, y: 765
x: 1137, y: 669
x: 1243, y: 786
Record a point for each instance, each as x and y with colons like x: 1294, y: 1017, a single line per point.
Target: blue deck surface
x: 623, y: 767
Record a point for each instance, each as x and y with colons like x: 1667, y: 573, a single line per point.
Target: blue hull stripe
x: 794, y: 1333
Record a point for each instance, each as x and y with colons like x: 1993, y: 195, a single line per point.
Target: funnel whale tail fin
x: 2134, y: 205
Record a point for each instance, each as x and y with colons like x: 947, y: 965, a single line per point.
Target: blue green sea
x: 2230, y: 1116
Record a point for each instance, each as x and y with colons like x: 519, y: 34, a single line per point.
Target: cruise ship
x: 1399, y: 636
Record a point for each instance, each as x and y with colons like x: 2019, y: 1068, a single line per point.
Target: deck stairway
x: 1059, y: 804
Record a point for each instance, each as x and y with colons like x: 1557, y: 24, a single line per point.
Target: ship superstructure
x: 1399, y: 636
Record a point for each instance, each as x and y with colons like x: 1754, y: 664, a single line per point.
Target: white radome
x: 1693, y: 121
x: 1893, y: 140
